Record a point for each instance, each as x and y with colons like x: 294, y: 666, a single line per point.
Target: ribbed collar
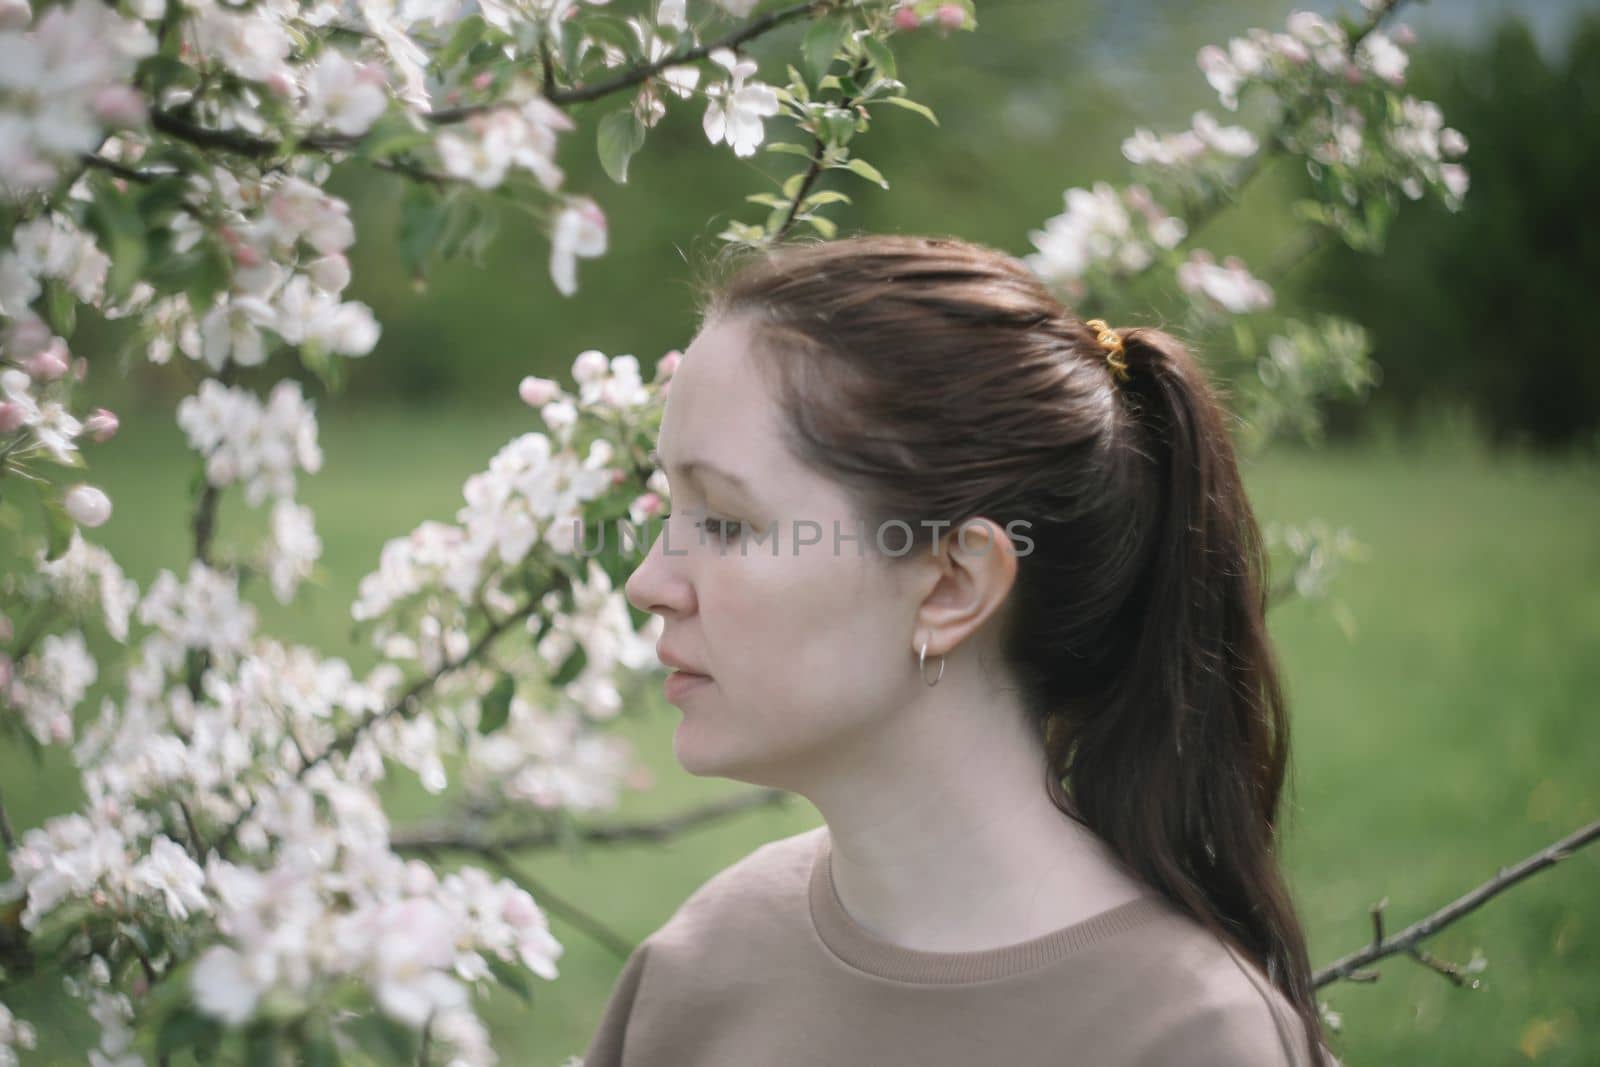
x: 855, y: 945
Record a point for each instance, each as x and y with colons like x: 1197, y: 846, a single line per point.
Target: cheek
x: 802, y: 638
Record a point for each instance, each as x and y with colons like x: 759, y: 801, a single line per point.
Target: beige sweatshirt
x: 763, y: 967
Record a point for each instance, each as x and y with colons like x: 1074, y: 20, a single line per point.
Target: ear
x: 965, y: 580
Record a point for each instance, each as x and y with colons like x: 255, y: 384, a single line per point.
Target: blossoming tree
x: 231, y: 884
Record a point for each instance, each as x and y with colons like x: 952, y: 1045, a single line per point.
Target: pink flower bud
x: 87, y: 505
x: 119, y: 106
x: 482, y: 81
x: 279, y: 84
x: 519, y: 910
x: 1353, y: 74
x: 49, y: 364
x: 646, y: 504
x: 537, y: 392
x: 15, y: 14
x: 906, y: 19
x: 102, y: 425
x: 950, y: 16
x: 1403, y: 35
x: 668, y: 365
x: 11, y: 416
x: 80, y: 370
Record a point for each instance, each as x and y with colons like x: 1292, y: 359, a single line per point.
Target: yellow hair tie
x: 1113, y: 345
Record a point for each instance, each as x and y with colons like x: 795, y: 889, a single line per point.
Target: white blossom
x: 50, y: 683
x: 580, y: 230
x: 293, y: 548
x: 344, y: 96
x: 737, y: 108
x: 53, y: 81
x: 86, y: 575
x: 1228, y: 285
x: 243, y: 440
x: 169, y: 872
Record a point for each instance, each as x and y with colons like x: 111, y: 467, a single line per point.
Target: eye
x: 721, y: 527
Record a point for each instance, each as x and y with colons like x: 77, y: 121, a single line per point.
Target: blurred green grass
x: 1450, y: 731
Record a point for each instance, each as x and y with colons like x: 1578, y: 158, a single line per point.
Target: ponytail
x: 1181, y: 768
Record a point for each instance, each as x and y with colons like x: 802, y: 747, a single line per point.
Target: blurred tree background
x: 1477, y: 311
x: 1488, y: 309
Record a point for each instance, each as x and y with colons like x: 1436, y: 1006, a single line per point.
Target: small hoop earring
x: 922, y: 659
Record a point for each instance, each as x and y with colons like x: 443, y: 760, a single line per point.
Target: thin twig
x: 6, y: 833
x: 1407, y: 940
x: 1213, y: 205
x: 819, y: 146
x: 439, y: 836
x: 175, y: 125
x: 122, y: 170
x: 620, y: 946
x: 346, y: 741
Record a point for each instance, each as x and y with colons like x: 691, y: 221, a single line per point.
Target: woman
x: 980, y: 581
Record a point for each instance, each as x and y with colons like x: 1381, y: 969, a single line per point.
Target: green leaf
x: 469, y: 31
x: 788, y: 148
x: 512, y: 977
x: 911, y: 105
x: 317, y: 1046
x: 621, y: 134
x: 58, y: 527
x: 496, y: 707
x: 390, y: 1039
x: 615, y: 31
x: 821, y: 44
x: 392, y: 134
x: 183, y: 1029
x: 826, y: 196
x: 60, y: 307
x: 822, y: 224
x: 867, y: 171
x: 792, y: 184
x: 328, y: 367
x: 116, y: 219
x: 571, y: 667
x: 767, y: 199
x: 881, y: 55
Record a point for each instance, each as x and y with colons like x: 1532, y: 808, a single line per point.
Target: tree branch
x: 243, y: 144
x: 1213, y: 205
x: 449, y: 837
x: 1407, y: 940
x: 555, y: 905
x: 7, y: 835
x: 342, y: 744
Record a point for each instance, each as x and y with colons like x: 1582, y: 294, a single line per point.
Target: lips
x: 678, y: 663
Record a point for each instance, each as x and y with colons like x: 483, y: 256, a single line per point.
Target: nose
x: 657, y: 586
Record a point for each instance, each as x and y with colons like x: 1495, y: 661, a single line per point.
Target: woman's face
x: 807, y: 646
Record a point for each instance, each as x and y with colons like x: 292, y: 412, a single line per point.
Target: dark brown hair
x: 937, y: 379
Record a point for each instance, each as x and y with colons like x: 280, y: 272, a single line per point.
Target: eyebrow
x: 707, y: 466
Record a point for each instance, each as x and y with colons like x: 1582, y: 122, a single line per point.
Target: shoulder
x: 1211, y: 1006
x: 754, y: 894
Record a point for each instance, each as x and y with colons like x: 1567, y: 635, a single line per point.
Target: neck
x: 943, y: 835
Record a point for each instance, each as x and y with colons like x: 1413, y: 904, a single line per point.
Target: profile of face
x: 807, y: 648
